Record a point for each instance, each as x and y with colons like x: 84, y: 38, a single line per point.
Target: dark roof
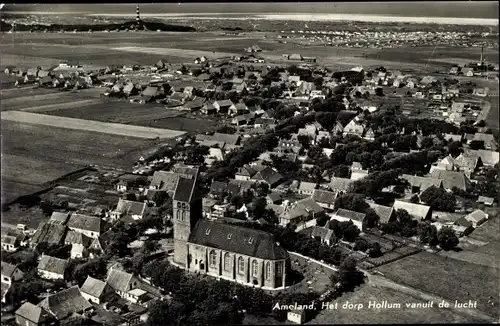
x: 65, y: 303
x: 350, y: 214
x: 184, y: 189
x: 452, y: 179
x: 463, y: 222
x: 237, y: 239
x: 383, y: 212
x: 52, y: 264
x: 74, y: 237
x: 165, y: 180
x: 50, y: 233
x: 268, y: 175
x: 85, y: 222
x: 218, y: 187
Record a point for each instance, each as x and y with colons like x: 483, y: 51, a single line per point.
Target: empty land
x: 448, y: 278
x: 88, y: 125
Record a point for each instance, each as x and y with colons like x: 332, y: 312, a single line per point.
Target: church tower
x: 138, y: 16
x: 185, y: 214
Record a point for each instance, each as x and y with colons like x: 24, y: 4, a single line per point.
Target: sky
x: 458, y: 9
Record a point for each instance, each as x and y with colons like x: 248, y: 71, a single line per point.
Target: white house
x: 477, y: 218
x: 10, y: 273
x: 344, y: 215
x: 95, y: 290
x: 9, y: 243
x: 125, y: 285
x: 85, y: 224
x: 296, y: 316
x: 52, y: 268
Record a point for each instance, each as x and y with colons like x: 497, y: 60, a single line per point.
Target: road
x: 379, y: 280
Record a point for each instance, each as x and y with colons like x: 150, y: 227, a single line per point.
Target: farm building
x: 345, y: 215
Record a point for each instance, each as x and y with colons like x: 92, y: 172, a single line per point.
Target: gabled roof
x: 59, y: 218
x: 65, y: 303
x: 354, y: 127
x: 322, y: 232
x: 164, y: 180
x: 150, y: 91
x: 85, y: 222
x: 356, y: 216
x: 463, y: 222
x: 74, y: 237
x: 31, y: 312
x: 130, y: 207
x: 416, y: 210
x: 310, y: 205
x: 93, y: 287
x: 268, y: 175
x: 324, y: 197
x: 307, y: 186
x: 49, y: 233
x: 8, y: 239
x: 8, y: 269
x: 452, y: 179
x: 422, y: 182
x: 237, y: 239
x: 476, y: 216
x: 224, y: 103
x: 383, y: 212
x: 340, y: 184
x: 487, y: 157
x: 467, y: 161
x: 184, y: 189
x: 119, y: 280
x: 52, y: 264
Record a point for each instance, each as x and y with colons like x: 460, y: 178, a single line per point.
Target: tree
x: 350, y: 231
x: 304, y: 140
x: 118, y: 244
x: 349, y: 276
x: 130, y: 196
x: 374, y: 251
x: 226, y: 129
x: 322, y: 220
x: 439, y: 199
x: 477, y: 144
x: 361, y: 245
x: 447, y: 238
x: 171, y: 312
x: 95, y: 268
x: 414, y: 199
x: 341, y: 171
x: 379, y: 91
x: 159, y: 197
x: 47, y: 207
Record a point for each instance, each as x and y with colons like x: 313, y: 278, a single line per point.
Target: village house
x: 128, y: 209
x: 306, y: 188
x: 345, y: 215
x: 385, y: 214
x: 31, y: 315
x: 10, y: 243
x: 468, y: 163
x: 48, y: 233
x: 353, y: 128
x: 462, y: 227
x: 297, y: 316
x: 223, y: 106
x: 208, y: 109
x: 420, y: 184
x: 94, y: 290
x: 52, y: 268
x: 324, y: 198
x: 418, y: 211
x: 323, y: 234
x: 340, y: 185
x: 65, y: 304
x: 487, y: 201
x: 469, y: 72
x: 91, y: 226
x: 97, y: 247
x: 338, y: 129
x: 477, y: 218
x: 10, y: 273
x: 303, y: 210
x: 452, y: 179
x: 127, y: 182
x: 267, y: 175
x: 79, y: 243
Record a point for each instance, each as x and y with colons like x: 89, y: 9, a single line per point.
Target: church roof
x: 184, y: 189
x: 237, y: 239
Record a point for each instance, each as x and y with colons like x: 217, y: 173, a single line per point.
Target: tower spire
x: 138, y: 16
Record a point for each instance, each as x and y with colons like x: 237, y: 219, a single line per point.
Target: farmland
x: 29, y: 149
x: 449, y: 278
x: 89, y: 125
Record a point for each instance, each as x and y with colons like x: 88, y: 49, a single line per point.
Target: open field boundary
x: 62, y: 106
x: 89, y: 125
x: 173, y: 52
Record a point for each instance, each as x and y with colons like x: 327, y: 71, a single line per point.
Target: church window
x: 207, y: 232
x: 229, y: 236
x: 268, y: 271
x: 183, y: 215
x: 250, y: 240
x: 279, y: 269
x: 184, y: 206
x: 227, y: 262
x: 255, y: 268
x: 179, y: 205
x: 213, y: 258
x: 241, y: 265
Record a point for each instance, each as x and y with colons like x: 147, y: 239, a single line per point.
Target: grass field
x: 24, y: 92
x: 89, y: 125
x: 449, y: 278
x: 34, y: 154
x: 366, y: 293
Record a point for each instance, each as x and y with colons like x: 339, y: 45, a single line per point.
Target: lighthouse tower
x: 138, y: 16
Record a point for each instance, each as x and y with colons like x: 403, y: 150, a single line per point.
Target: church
x: 230, y: 252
